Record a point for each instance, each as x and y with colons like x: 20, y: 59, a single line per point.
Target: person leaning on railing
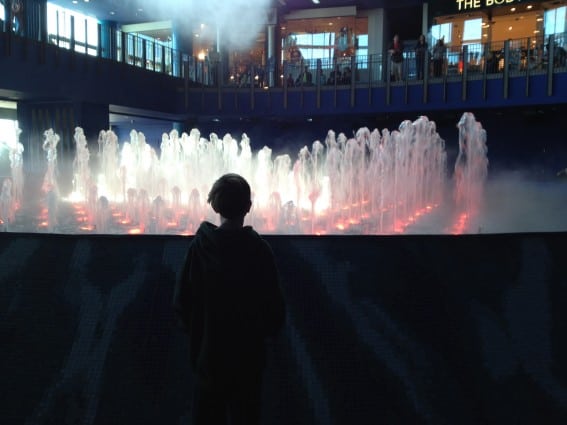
x: 396, y: 51
x: 421, y: 56
x: 439, y: 51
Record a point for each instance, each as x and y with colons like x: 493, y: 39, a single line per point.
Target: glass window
x: 315, y: 46
x: 59, y: 29
x: 441, y: 31
x: 473, y: 29
x: 555, y: 20
x: 8, y: 132
x: 362, y: 51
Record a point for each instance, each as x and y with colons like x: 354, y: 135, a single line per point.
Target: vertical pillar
x: 182, y: 38
x: 34, y: 19
x: 376, y: 34
x: 506, y: 68
x: 271, y: 54
x: 425, y: 18
x: 72, y: 40
x: 8, y: 16
x: 107, y: 40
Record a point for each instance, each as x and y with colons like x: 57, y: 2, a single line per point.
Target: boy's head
x: 230, y: 196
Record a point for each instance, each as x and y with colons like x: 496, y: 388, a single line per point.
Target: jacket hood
x: 213, y: 241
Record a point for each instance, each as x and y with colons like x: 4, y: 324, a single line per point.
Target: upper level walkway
x: 518, y: 72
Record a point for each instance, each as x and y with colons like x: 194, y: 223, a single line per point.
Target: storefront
x: 329, y: 38
x: 485, y: 25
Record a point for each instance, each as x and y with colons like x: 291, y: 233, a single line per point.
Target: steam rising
x: 237, y: 21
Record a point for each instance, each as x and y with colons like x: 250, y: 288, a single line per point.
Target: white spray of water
x: 373, y: 183
x: 237, y: 21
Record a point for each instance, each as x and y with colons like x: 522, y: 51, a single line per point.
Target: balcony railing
x: 472, y: 61
x: 476, y: 60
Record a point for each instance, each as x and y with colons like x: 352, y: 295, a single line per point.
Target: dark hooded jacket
x: 228, y: 300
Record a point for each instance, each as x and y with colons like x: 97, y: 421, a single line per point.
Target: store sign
x: 464, y: 5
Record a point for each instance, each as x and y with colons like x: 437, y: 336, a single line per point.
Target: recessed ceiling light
x: 529, y: 6
x: 513, y: 9
x: 112, y: 12
x: 75, y: 1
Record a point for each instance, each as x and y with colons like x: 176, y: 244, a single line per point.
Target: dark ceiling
x: 135, y: 11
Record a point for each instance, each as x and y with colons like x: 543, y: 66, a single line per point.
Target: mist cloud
x: 239, y: 21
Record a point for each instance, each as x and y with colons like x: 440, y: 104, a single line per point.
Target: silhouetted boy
x: 229, y: 300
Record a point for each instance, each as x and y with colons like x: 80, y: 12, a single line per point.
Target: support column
x: 425, y: 19
x: 108, y: 43
x: 34, y: 19
x: 271, y: 54
x: 376, y: 34
x: 182, y: 37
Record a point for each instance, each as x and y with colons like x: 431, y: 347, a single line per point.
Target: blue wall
x: 379, y: 330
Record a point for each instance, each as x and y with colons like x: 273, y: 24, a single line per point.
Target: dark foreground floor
x: 380, y: 330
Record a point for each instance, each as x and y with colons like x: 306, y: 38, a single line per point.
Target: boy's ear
x: 249, y: 206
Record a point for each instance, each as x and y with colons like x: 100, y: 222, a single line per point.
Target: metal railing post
x: 219, y: 73
x: 506, y: 68
x: 318, y: 81
x: 252, y: 80
x: 485, y: 68
x: 143, y: 58
x: 352, y: 81
x: 550, y: 64
x: 72, y: 40
x: 465, y: 54
x: 426, y: 79
x: 124, y: 37
x: 528, y: 65
x: 388, y: 80
x: 369, y: 59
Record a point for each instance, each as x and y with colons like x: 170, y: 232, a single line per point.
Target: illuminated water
x: 377, y: 182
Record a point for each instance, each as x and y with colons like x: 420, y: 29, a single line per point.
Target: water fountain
x: 373, y: 183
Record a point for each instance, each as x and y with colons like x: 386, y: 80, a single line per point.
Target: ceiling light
x: 510, y: 28
x: 75, y: 1
x: 513, y: 9
x: 529, y: 6
x: 316, y: 1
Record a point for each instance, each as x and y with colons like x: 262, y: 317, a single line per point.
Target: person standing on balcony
x: 396, y: 50
x: 421, y: 56
x: 439, y: 52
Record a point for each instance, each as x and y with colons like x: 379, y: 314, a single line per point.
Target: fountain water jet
x: 373, y: 183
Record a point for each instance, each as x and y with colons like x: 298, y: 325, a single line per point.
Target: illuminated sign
x: 463, y: 5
